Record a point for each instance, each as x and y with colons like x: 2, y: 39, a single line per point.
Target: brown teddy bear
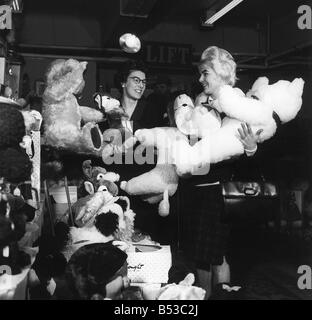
x: 62, y: 114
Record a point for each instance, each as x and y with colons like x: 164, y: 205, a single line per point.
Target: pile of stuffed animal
x: 15, y: 212
x: 264, y: 107
x: 99, y: 215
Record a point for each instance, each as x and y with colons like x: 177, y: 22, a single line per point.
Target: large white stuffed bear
x: 264, y: 107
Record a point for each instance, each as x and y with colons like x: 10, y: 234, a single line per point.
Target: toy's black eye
x: 184, y: 105
x: 100, y: 176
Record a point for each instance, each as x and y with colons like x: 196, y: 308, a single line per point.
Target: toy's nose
x: 102, y: 188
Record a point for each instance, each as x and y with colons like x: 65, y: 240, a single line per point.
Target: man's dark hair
x: 91, y: 267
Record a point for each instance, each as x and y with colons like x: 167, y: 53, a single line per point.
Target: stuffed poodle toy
x: 195, y: 121
x: 161, y: 182
x: 264, y: 107
x: 63, y: 115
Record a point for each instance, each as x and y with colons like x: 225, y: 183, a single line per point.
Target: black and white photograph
x: 155, y: 150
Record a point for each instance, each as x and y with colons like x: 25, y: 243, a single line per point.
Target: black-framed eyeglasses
x: 137, y: 80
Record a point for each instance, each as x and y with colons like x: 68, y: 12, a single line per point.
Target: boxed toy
x: 149, y: 264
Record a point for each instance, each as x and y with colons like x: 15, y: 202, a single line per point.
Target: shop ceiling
x: 139, y: 16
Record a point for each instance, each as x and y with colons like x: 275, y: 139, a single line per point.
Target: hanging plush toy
x: 130, y: 43
x: 265, y: 107
x: 63, y: 115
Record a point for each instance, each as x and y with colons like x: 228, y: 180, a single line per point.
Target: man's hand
x: 248, y: 138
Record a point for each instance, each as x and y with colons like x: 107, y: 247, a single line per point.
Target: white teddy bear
x: 264, y: 107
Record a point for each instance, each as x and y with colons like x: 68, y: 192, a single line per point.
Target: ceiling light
x: 223, y: 11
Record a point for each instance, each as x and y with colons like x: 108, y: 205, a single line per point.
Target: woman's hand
x: 248, y: 138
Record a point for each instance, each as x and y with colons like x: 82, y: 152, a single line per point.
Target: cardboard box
x: 149, y: 264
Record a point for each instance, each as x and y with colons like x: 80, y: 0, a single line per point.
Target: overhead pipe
x: 245, y: 54
x: 102, y: 50
x: 288, y: 51
x: 87, y: 58
x: 294, y: 63
x: 274, y: 66
x: 249, y: 59
x: 251, y: 66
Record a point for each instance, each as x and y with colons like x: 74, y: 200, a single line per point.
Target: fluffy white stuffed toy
x: 196, y: 123
x: 184, y: 290
x: 264, y: 107
x: 162, y: 181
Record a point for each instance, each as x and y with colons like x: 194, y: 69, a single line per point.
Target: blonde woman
x: 206, y: 234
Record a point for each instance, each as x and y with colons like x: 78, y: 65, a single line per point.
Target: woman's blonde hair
x: 221, y: 62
